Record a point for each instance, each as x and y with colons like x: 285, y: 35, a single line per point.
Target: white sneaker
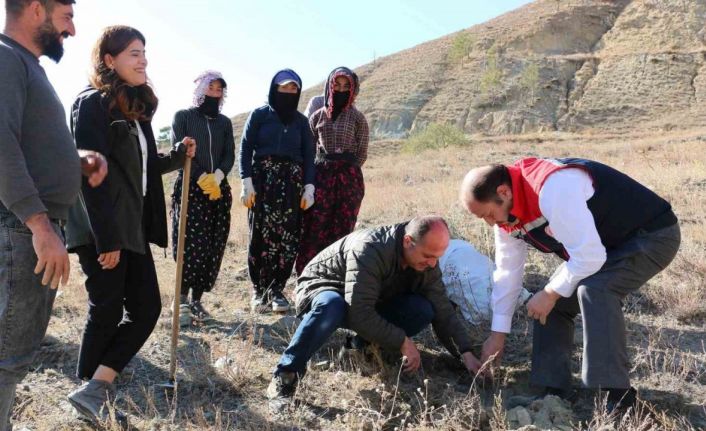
x: 279, y: 303
x: 185, y: 316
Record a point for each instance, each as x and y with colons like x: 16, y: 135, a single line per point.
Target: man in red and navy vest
x: 613, y: 235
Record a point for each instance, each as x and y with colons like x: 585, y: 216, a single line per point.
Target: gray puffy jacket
x: 366, y: 268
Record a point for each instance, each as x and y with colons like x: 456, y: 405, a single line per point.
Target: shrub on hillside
x: 434, y: 136
x: 461, y: 47
x: 491, y: 81
x: 529, y: 79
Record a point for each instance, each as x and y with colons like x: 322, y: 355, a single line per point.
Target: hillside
x: 569, y: 65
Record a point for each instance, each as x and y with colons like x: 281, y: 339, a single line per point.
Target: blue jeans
x: 410, y: 312
x: 25, y: 308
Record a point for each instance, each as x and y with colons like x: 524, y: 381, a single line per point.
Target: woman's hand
x: 247, y: 193
x: 109, y: 260
x: 190, y: 144
x: 307, y: 199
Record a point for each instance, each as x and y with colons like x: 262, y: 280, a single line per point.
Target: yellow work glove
x: 208, y: 184
x: 215, y: 195
x: 218, y: 177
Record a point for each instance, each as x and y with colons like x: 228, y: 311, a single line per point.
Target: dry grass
x: 666, y: 319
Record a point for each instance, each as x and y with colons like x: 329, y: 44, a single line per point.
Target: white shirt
x: 143, y: 149
x: 562, y: 201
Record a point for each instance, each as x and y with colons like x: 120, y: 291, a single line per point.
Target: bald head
x: 425, y: 241
x: 418, y: 227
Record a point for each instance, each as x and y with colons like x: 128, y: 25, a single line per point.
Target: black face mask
x: 286, y: 105
x: 209, y: 107
x: 340, y: 100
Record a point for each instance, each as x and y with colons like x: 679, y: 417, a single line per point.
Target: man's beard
x: 49, y: 40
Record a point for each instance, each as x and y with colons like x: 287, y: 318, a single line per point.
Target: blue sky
x: 248, y: 41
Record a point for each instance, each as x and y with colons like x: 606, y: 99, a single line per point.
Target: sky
x: 248, y: 41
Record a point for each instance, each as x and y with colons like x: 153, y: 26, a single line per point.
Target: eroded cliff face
x: 570, y: 65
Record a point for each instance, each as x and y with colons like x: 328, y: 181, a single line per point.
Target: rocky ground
x: 225, y: 365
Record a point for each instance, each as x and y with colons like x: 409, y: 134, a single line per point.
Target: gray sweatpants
x: 599, y: 300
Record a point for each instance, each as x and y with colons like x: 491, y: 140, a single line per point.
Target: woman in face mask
x: 317, y: 102
x: 210, y: 199
x: 341, y: 135
x: 277, y: 172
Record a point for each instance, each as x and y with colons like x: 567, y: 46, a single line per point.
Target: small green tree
x: 164, y: 138
x: 492, y: 77
x: 434, y: 136
x: 529, y: 78
x: 461, y: 46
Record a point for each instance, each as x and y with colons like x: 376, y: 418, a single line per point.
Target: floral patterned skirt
x: 339, y: 193
x: 274, y: 222
x: 207, y: 229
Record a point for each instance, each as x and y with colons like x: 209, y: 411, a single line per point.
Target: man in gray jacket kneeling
x: 384, y: 284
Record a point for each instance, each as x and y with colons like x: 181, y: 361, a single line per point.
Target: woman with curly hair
x: 113, y: 224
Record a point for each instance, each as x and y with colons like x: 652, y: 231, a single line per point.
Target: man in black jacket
x: 383, y: 283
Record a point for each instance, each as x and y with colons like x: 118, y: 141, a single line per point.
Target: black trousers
x: 123, y: 308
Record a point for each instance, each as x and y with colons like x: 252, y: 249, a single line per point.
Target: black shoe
x: 620, y: 400
x: 355, y: 341
x: 198, y: 312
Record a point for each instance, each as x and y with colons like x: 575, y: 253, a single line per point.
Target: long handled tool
x: 186, y: 178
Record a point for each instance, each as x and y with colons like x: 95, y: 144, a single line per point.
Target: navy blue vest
x: 620, y: 206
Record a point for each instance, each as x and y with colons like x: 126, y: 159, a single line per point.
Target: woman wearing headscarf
x: 210, y: 199
x: 277, y: 172
x: 317, y: 102
x: 112, y: 225
x: 341, y: 135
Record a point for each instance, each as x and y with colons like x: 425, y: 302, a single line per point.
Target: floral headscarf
x: 202, y: 83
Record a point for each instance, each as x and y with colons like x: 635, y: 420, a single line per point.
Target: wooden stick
x: 186, y: 179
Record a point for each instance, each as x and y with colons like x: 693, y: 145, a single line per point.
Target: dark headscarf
x: 334, y: 105
x: 285, y: 104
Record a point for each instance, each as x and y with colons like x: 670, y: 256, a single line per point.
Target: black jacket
x: 115, y: 215
x: 215, y: 146
x: 366, y: 268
